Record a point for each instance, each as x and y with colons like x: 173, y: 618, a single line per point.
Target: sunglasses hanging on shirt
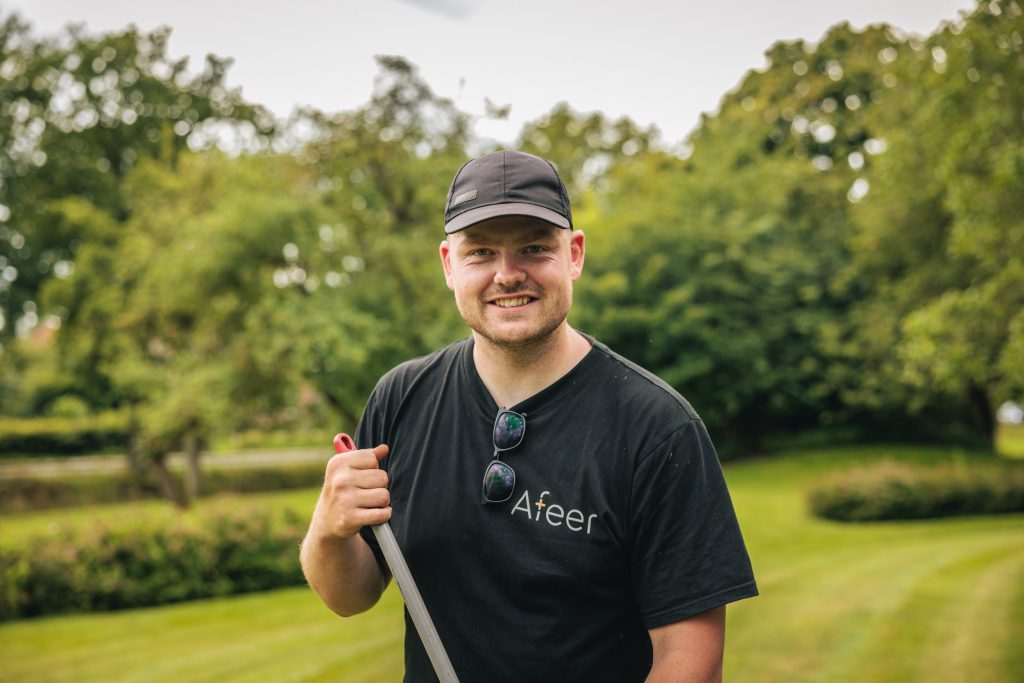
x: 499, y: 477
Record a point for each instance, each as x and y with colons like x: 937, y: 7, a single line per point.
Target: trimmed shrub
x: 63, y: 435
x: 893, y: 490
x: 234, y: 549
x: 21, y: 494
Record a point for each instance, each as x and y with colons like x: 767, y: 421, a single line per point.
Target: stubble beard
x: 523, y: 346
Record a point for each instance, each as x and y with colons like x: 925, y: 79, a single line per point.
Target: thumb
x: 380, y: 452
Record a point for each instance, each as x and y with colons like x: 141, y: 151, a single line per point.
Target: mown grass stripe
x: 969, y: 625
x: 820, y: 615
x: 827, y: 587
x: 901, y: 642
x: 265, y: 637
x: 978, y: 650
x: 1013, y: 656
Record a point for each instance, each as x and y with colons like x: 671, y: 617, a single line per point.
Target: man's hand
x: 338, y: 564
x: 355, y: 494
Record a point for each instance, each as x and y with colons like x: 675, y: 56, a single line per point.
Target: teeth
x: 507, y: 303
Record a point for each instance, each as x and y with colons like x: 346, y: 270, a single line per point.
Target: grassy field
x: 1010, y: 440
x: 938, y: 600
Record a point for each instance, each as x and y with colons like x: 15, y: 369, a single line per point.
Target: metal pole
x: 407, y: 585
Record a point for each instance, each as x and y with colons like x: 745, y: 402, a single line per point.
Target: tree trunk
x: 194, y: 475
x: 137, y: 462
x: 168, y: 487
x: 982, y: 415
x: 136, y: 466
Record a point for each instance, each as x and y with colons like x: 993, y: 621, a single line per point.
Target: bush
x: 21, y: 494
x: 63, y: 435
x: 892, y: 490
x: 232, y: 549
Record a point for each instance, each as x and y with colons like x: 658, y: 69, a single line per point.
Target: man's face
x: 512, y: 277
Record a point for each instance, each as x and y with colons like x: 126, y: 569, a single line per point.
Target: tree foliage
x: 78, y: 113
x: 943, y: 236
x: 175, y: 305
x: 838, y: 245
x: 841, y: 243
x: 717, y: 271
x: 382, y: 174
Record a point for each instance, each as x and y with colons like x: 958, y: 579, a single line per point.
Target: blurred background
x: 218, y: 232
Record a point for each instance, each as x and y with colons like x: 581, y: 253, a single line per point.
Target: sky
x: 660, y: 62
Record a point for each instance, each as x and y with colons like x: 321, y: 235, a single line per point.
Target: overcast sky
x: 657, y: 61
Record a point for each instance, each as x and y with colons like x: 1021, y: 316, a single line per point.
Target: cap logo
x: 464, y: 197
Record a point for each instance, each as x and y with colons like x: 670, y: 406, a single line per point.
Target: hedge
x: 21, y: 494
x: 892, y: 490
x: 64, y: 435
x: 238, y: 549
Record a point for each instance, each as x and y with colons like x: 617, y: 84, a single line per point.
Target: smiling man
x: 562, y: 510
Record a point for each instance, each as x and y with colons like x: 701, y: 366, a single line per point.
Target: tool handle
x: 407, y: 585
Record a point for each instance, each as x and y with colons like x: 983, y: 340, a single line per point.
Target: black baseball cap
x: 506, y: 183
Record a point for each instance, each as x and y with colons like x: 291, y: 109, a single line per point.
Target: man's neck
x: 513, y: 374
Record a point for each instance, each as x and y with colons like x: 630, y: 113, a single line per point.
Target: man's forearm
x: 680, y: 667
x: 689, y: 651
x: 342, y: 571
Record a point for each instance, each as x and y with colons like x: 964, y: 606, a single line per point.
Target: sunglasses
x: 499, y: 478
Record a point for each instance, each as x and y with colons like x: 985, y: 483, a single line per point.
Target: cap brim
x: 483, y: 213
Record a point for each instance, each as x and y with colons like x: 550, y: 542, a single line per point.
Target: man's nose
x: 509, y: 271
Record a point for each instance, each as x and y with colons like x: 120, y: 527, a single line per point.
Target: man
x: 562, y: 510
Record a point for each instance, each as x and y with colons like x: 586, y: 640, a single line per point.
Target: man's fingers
x: 344, y: 476
x: 370, y: 479
x: 373, y: 516
x: 365, y: 459
x: 371, y: 498
x: 355, y: 491
x: 355, y: 519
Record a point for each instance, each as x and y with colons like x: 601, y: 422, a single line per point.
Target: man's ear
x: 445, y: 251
x: 577, y: 250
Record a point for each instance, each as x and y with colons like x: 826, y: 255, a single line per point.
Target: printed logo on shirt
x: 552, y: 513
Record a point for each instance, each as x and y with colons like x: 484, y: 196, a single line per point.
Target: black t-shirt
x: 620, y: 520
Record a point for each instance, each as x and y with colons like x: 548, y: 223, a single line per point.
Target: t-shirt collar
x: 564, y: 386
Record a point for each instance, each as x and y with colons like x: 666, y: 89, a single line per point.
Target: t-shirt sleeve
x: 687, y: 552
x: 370, y: 433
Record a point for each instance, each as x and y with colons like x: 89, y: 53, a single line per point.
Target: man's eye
x: 535, y: 249
x: 479, y: 252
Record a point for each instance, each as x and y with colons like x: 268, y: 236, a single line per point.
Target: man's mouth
x: 515, y: 301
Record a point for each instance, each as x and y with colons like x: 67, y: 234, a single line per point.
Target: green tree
x: 181, y: 300
x: 77, y: 114
x: 584, y: 147
x: 942, y: 237
x: 718, y: 270
x: 383, y: 172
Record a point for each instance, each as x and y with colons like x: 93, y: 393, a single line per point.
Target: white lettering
x: 551, y: 512
x: 540, y: 503
x: 524, y: 502
x: 574, y: 515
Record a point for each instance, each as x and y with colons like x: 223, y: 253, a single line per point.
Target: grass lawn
x: 938, y: 600
x: 1010, y: 440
